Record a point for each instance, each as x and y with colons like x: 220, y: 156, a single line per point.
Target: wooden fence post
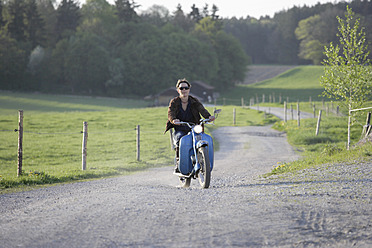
x: 20, y: 141
x: 138, y: 142
x: 367, y: 127
x: 298, y: 113
x: 292, y: 111
x: 285, y: 111
x: 234, y: 116
x: 84, y: 146
x: 318, y: 123
x: 348, y: 130
x: 314, y: 110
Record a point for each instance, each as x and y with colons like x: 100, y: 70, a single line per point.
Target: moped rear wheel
x: 185, y: 182
x: 205, y: 167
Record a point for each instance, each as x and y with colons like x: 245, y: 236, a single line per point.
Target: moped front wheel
x: 205, y: 167
x: 185, y: 182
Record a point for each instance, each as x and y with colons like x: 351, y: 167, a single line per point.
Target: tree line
x: 111, y: 49
x: 297, y: 35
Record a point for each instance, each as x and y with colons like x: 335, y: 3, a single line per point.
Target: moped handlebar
x: 190, y: 124
x: 184, y: 123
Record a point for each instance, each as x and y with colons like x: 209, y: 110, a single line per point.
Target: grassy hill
x: 299, y: 83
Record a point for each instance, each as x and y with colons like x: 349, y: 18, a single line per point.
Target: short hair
x: 180, y: 81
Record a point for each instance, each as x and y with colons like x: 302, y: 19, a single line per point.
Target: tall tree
x: 308, y: 31
x: 98, y: 17
x: 195, y: 14
x: 16, y: 25
x: 347, y: 74
x: 315, y: 32
x: 87, y: 64
x: 180, y: 20
x: 214, y: 12
x: 157, y: 15
x: 232, y: 61
x: 12, y: 63
x: 2, y: 21
x: 49, y: 15
x: 126, y: 10
x: 68, y: 17
x: 34, y: 24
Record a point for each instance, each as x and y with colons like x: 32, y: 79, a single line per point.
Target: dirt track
x: 325, y: 207
x: 258, y: 73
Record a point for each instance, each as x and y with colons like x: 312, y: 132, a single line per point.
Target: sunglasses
x: 184, y: 88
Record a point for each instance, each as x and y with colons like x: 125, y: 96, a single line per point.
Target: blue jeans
x: 177, y: 136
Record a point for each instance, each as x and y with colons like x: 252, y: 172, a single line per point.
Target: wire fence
x: 74, y: 145
x: 264, y: 98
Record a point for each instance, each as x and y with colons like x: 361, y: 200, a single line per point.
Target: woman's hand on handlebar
x: 176, y: 121
x: 211, y: 118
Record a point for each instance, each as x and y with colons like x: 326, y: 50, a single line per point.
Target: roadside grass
x: 52, y: 139
x: 297, y: 84
x: 328, y: 147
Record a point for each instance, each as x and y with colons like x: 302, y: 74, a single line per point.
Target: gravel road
x: 323, y: 207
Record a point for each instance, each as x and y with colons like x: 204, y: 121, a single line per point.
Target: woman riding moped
x: 184, y: 108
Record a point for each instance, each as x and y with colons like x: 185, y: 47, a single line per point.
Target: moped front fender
x: 206, y: 141
x: 201, y: 143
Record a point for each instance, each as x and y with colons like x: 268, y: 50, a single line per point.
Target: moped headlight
x: 198, y: 129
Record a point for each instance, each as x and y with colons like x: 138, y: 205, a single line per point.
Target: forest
x: 99, y: 48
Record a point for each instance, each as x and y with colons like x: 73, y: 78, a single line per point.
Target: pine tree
x: 34, y: 24
x: 17, y: 26
x: 126, y: 10
x: 68, y: 17
x: 2, y: 22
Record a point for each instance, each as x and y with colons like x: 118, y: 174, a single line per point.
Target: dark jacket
x: 196, y: 106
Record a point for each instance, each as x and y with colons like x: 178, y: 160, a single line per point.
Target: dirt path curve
x: 258, y: 73
x: 279, y: 112
x: 240, y: 209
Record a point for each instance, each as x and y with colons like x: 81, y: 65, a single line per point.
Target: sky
x: 231, y: 8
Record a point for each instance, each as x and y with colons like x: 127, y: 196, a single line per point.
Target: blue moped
x: 195, y: 154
